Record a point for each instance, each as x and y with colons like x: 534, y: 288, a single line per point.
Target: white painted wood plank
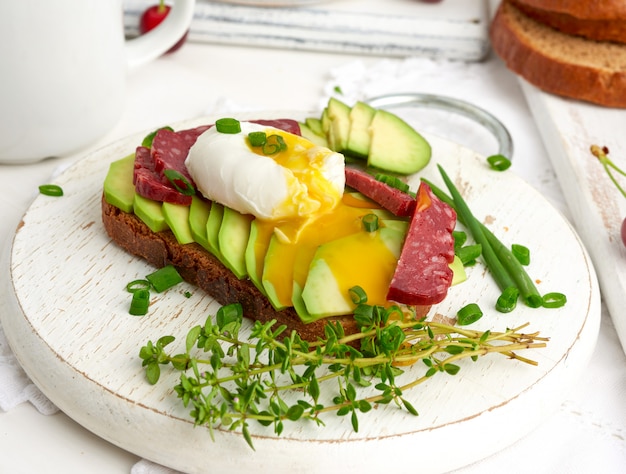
x: 454, y: 29
x: 569, y: 128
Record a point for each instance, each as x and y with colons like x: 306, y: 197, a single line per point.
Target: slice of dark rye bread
x: 558, y: 63
x: 202, y: 269
x: 598, y: 20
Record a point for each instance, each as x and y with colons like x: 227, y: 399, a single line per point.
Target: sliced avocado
x: 177, y: 218
x: 322, y: 295
x: 151, y: 213
x: 233, y: 238
x: 315, y: 124
x: 328, y: 130
x: 119, y: 190
x: 359, y: 137
x: 401, y: 225
x: 458, y: 271
x: 343, y: 263
x: 256, y: 249
x: 339, y: 115
x: 277, y: 278
x: 198, y: 218
x: 396, y: 146
x: 307, y: 133
x: 216, y: 214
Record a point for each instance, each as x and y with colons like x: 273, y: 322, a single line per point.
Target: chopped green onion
x: 228, y: 125
x: 522, y: 254
x: 469, y: 253
x: 392, y: 181
x: 459, y: 237
x: 499, y: 162
x: 137, y: 285
x: 51, y: 190
x: 180, y: 182
x: 257, y: 138
x: 554, y: 300
x: 370, y: 222
x: 147, y: 141
x: 140, y: 302
x: 469, y: 314
x: 274, y: 144
x: 507, y: 300
x: 164, y: 278
x: 358, y: 295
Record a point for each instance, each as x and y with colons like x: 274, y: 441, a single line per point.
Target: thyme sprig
x: 271, y: 377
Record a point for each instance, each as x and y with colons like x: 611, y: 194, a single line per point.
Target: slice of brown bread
x: 200, y: 268
x: 601, y: 21
x: 558, y: 63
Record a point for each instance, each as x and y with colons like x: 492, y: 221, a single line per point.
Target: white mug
x: 63, y: 71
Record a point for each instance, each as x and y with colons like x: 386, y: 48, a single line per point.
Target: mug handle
x: 156, y: 42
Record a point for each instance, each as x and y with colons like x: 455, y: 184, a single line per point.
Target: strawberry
x: 153, y: 16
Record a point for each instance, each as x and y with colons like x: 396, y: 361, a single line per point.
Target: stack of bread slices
x: 571, y: 48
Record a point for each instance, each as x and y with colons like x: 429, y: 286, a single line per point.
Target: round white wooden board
x: 67, y: 321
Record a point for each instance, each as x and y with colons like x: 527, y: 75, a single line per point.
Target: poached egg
x: 290, y: 188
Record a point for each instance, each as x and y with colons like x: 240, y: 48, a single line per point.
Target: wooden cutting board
x: 568, y: 128
x: 455, y: 29
x: 66, y: 318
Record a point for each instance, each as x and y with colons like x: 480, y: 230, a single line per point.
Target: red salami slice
x: 169, y: 151
x: 395, y: 201
x: 423, y: 275
x: 287, y: 125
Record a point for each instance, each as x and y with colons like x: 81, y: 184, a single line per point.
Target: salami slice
x: 395, y: 201
x: 287, y: 125
x: 169, y: 151
x: 423, y: 274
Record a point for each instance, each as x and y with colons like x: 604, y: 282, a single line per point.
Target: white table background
x: 589, y: 429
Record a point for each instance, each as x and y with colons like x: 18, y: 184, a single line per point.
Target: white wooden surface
x: 455, y: 29
x: 67, y: 322
x: 569, y: 128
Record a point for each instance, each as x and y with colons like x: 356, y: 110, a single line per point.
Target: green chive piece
x: 522, y: 253
x: 274, y: 144
x: 392, y: 181
x: 164, y: 278
x: 137, y: 285
x: 498, y: 162
x: 180, y: 182
x: 228, y: 125
x: 554, y: 300
x: 460, y: 238
x: 358, y: 295
x: 469, y: 253
x: 51, y: 190
x: 140, y: 302
x: 469, y: 314
x: 507, y: 300
x: 370, y: 222
x: 257, y: 138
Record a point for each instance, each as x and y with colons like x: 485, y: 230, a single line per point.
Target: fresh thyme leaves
x: 272, y: 377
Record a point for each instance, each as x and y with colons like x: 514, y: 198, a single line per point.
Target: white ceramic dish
x: 67, y: 321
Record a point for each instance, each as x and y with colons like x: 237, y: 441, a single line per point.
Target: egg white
x: 227, y: 171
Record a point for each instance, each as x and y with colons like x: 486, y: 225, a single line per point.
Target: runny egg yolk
x: 311, y: 192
